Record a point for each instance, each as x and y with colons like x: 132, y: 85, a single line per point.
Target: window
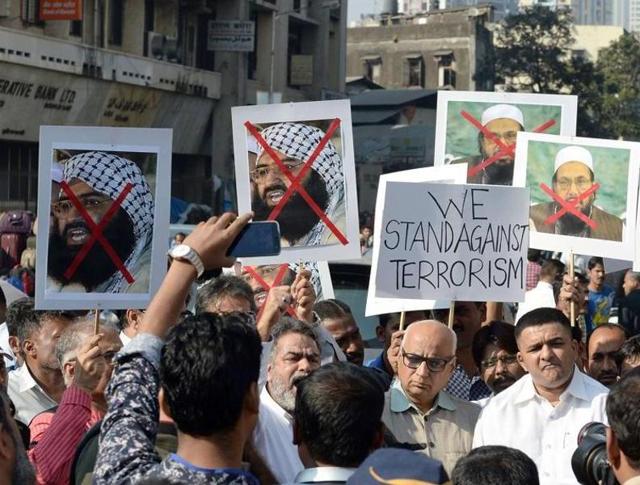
x: 446, y: 70
x: 413, y: 71
x: 75, y: 28
x: 372, y: 67
x: 116, y: 8
x: 29, y: 11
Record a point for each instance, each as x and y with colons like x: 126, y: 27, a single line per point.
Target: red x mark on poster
x: 282, y: 270
x: 96, y: 232
x: 296, y: 185
x: 504, y: 148
x: 570, y: 205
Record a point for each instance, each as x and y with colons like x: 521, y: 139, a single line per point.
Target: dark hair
x: 594, y: 261
x: 495, y: 465
x: 331, y: 308
x: 288, y: 325
x: 552, y: 268
x: 225, y: 286
x: 623, y: 413
x: 3, y: 298
x: 576, y: 333
x: 533, y: 255
x: 23, y: 319
x: 385, y: 318
x: 338, y: 413
x: 208, y: 363
x: 541, y: 316
x: 631, y: 348
x: 501, y: 334
x: 612, y: 326
x: 180, y: 234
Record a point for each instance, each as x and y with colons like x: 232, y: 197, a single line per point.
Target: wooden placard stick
x: 402, y: 317
x: 572, y: 275
x: 96, y: 323
x: 452, y: 306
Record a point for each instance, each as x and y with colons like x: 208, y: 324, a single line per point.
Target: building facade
x: 441, y: 49
x: 135, y: 63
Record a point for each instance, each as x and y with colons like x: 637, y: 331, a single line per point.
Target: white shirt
x: 519, y: 418
x: 9, y: 358
x: 539, y: 297
x: 273, y: 440
x: 27, y: 396
x: 124, y: 338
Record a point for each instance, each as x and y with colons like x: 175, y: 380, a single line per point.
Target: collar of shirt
x: 543, y: 285
x: 399, y: 402
x: 25, y: 379
x: 268, y: 401
x: 324, y: 474
x: 576, y: 389
x: 211, y: 471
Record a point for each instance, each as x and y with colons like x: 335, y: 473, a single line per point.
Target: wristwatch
x: 182, y: 252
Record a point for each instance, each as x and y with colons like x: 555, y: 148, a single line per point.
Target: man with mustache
x: 294, y: 354
x: 503, y: 121
x: 603, y: 347
x: 97, y: 179
x: 544, y: 411
x: 495, y: 353
x: 294, y: 143
x: 573, y: 175
x: 336, y: 317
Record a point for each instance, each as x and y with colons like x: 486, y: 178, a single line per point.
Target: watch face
x: 180, y: 251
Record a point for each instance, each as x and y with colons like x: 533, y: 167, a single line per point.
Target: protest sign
x: 480, y: 129
x: 103, y: 199
x: 453, y: 242
x: 376, y: 305
x: 584, y: 193
x: 294, y: 164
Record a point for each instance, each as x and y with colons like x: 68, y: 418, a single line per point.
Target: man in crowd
x: 573, y: 175
x: 209, y: 370
x: 293, y: 144
x: 623, y: 433
x: 38, y: 384
x: 603, y: 353
x: 85, y: 360
x: 294, y: 355
x: 129, y: 323
x: 389, y: 323
x: 495, y: 465
x: 630, y: 355
x: 465, y: 382
x: 97, y: 179
x: 600, y: 295
x: 15, y: 468
x: 418, y: 411
x: 629, y: 312
x: 533, y: 268
x: 503, y: 121
x: 225, y: 294
x: 543, y: 412
x: 543, y: 294
x: 336, y: 317
x: 337, y: 422
x: 495, y: 353
x: 14, y: 321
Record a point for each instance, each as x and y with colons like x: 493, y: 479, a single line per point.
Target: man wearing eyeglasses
x: 418, y: 411
x: 495, y: 353
x: 294, y: 143
x: 97, y: 179
x: 573, y: 175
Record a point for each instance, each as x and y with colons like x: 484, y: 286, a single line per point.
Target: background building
x: 152, y: 63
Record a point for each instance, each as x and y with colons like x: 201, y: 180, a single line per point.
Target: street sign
x: 231, y: 35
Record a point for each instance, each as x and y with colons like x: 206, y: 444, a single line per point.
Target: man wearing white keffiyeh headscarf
x: 299, y: 224
x: 97, y: 179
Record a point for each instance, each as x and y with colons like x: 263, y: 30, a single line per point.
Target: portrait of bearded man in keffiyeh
x: 97, y: 179
x: 294, y: 144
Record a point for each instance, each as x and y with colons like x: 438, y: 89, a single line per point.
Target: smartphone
x: 257, y: 239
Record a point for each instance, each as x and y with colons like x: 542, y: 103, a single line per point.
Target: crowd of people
x: 242, y: 392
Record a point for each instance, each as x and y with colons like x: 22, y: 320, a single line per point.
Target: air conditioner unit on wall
x: 156, y: 45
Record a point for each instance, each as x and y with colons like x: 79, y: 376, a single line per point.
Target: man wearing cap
x: 97, y: 179
x: 573, y: 175
x: 294, y: 143
x: 503, y: 121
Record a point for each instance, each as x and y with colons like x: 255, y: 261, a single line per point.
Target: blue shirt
x: 600, y: 303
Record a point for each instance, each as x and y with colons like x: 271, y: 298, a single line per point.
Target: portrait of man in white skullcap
x: 572, y: 176
x: 97, y: 179
x: 294, y: 144
x: 503, y: 121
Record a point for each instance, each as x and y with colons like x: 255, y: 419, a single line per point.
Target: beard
x: 498, y: 173
x: 570, y: 224
x: 97, y: 266
x: 297, y: 218
x: 283, y: 393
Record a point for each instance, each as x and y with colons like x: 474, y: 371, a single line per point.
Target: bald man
x: 418, y: 411
x: 572, y: 176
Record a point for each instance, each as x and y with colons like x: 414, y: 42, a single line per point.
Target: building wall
x: 634, y: 15
x: 438, y: 33
x: 589, y: 39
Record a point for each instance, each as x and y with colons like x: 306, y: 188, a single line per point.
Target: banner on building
x: 60, y: 9
x: 231, y: 35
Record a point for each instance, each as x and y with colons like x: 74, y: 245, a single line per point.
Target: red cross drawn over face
x: 282, y: 271
x: 96, y: 232
x: 571, y: 205
x: 296, y: 182
x: 504, y: 149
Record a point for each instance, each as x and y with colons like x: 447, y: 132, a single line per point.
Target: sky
x: 358, y: 7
